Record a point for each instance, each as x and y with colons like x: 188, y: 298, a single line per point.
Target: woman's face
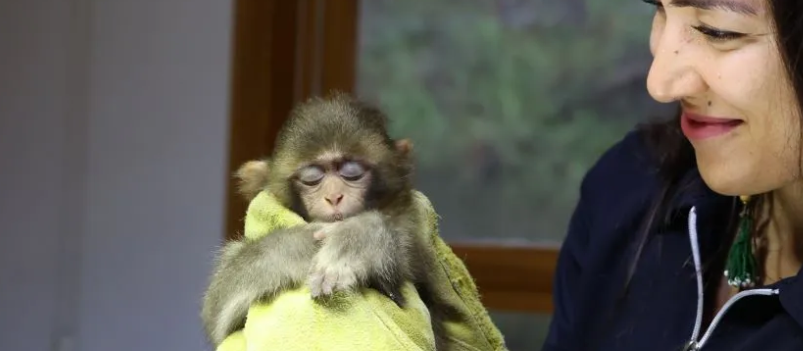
x: 720, y: 60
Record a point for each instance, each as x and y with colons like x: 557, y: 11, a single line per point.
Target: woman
x: 689, y: 234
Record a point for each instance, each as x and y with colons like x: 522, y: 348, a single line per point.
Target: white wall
x: 32, y: 171
x: 113, y: 117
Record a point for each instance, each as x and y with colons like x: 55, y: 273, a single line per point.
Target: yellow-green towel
x: 366, y: 320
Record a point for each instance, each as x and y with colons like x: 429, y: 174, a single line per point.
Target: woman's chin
x: 728, y: 181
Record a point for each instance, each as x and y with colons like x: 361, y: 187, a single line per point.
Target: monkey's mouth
x: 337, y: 216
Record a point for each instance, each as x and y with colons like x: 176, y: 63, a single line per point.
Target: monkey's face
x: 333, y: 188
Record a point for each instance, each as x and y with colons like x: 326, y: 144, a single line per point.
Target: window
x: 508, y: 103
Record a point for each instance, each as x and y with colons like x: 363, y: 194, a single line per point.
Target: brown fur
x: 252, y: 178
x: 350, y: 126
x: 378, y: 246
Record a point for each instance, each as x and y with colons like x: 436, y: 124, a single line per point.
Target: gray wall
x: 113, y: 137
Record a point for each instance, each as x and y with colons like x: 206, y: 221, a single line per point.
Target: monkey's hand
x: 360, y: 251
x: 249, y: 270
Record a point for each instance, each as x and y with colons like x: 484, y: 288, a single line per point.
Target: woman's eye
x: 351, y: 171
x: 718, y: 35
x: 310, y: 175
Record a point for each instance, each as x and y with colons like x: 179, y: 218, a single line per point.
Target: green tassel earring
x: 741, y: 269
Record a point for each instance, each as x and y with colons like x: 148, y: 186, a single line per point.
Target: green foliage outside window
x: 508, y: 102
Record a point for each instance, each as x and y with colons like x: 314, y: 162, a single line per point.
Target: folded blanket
x: 365, y: 320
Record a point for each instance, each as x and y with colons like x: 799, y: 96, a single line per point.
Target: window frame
x: 286, y: 51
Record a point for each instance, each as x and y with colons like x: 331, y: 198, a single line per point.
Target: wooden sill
x: 511, y: 278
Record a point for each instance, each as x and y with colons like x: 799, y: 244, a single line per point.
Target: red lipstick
x: 703, y: 127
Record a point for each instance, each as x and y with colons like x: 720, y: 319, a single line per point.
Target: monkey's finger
x: 329, y: 281
x: 346, y: 280
x: 320, y: 235
x: 315, y: 283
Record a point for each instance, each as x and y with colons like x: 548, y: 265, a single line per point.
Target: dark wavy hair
x: 675, y: 154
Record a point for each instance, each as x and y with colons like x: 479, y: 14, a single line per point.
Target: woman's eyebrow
x: 737, y: 6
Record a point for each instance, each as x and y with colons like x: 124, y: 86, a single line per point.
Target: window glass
x: 508, y: 102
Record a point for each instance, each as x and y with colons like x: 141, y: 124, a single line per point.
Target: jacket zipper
x: 694, y: 344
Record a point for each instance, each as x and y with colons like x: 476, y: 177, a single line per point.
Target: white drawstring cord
x: 695, y: 251
x: 693, y: 344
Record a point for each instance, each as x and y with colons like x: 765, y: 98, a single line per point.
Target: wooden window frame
x: 285, y: 51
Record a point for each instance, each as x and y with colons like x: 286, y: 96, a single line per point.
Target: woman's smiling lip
x: 699, y: 127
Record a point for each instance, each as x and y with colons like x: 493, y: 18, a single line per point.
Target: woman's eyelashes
x: 712, y: 34
x: 717, y: 35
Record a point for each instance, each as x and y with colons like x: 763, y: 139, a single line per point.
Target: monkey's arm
x: 369, y: 249
x: 248, y: 270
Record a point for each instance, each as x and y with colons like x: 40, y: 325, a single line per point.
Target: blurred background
x: 121, y: 121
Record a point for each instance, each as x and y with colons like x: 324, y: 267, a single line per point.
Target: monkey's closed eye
x: 352, y: 171
x: 310, y: 175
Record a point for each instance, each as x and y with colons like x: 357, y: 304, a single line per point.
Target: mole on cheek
x: 677, y: 52
x: 709, y: 103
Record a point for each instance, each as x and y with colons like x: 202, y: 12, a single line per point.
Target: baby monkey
x: 336, y: 166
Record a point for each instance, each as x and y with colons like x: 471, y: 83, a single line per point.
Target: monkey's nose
x: 334, y: 199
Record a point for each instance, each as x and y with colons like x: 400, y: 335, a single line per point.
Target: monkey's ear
x: 404, y: 146
x: 253, y: 178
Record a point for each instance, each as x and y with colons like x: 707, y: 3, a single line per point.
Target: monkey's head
x: 334, y: 159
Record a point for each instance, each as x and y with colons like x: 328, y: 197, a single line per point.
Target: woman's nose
x: 674, y: 73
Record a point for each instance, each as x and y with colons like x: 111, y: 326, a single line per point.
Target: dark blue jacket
x: 660, y: 310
